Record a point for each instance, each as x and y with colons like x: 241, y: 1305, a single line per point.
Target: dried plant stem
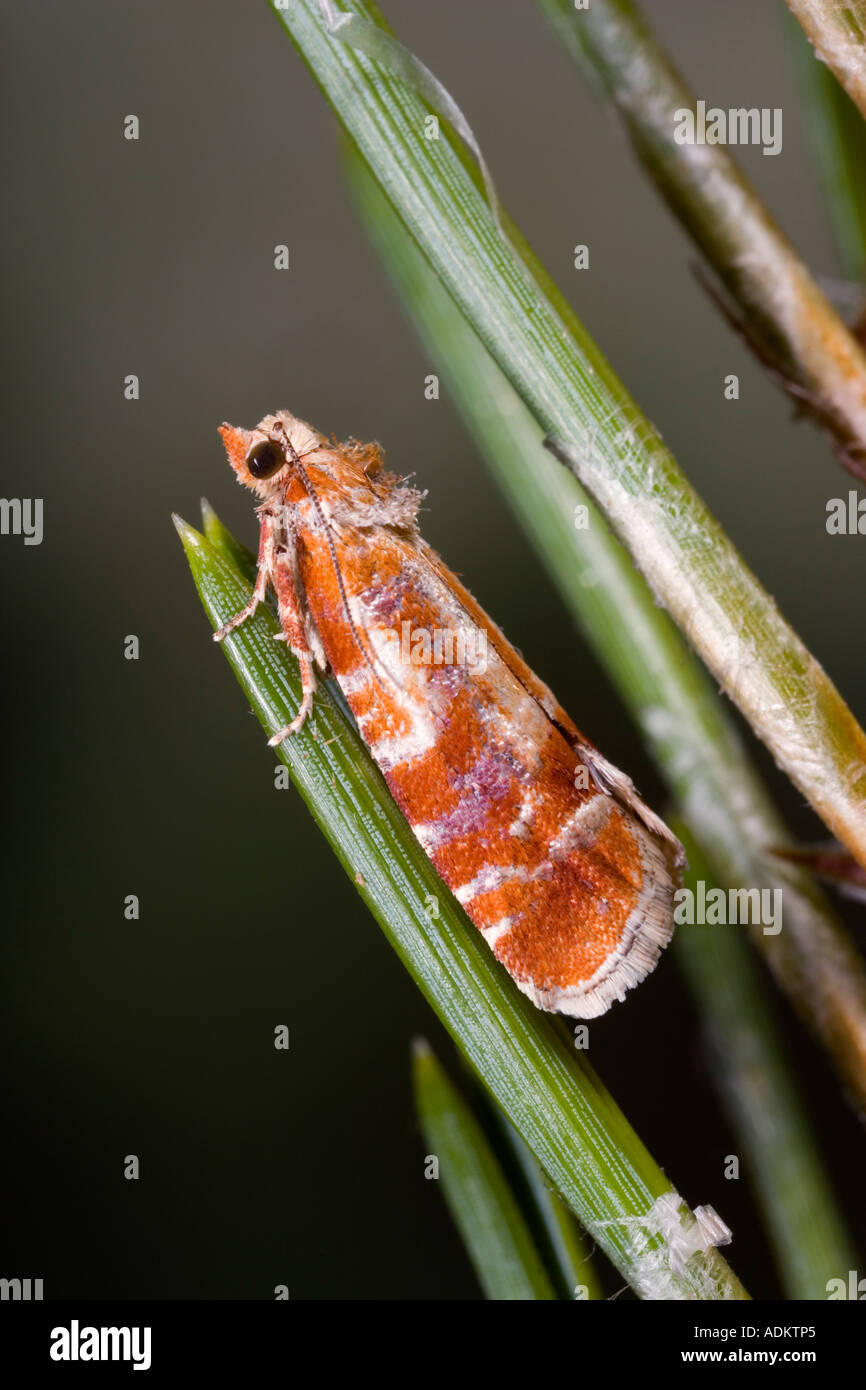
x: 785, y: 314
x: 838, y: 136
x: 837, y: 29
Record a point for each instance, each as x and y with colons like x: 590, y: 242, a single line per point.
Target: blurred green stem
x: 569, y: 1252
x: 749, y: 1067
x: 476, y: 1190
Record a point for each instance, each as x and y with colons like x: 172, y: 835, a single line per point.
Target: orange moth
x: 566, y: 873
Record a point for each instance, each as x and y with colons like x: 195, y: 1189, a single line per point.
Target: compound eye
x: 264, y: 460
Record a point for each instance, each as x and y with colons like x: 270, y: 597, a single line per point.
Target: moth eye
x: 265, y: 459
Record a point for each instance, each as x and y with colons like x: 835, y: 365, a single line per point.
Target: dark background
x: 151, y: 777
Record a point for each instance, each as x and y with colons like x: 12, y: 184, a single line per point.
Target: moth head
x: 260, y: 457
x: 257, y: 459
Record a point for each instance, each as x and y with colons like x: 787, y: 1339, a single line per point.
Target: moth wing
x: 572, y: 888
x: 607, y: 777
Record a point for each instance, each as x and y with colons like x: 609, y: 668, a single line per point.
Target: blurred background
x: 155, y: 257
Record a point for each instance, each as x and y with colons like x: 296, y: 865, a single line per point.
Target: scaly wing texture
x: 571, y: 890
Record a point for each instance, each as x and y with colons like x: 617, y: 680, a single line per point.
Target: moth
x: 566, y: 873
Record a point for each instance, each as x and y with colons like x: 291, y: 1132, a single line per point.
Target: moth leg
x: 308, y: 688
x: 294, y: 631
x: 258, y: 596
